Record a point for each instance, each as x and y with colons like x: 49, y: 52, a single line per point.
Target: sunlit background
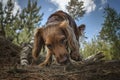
x: 93, y: 18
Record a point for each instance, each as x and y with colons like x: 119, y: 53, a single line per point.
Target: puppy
x: 60, y: 36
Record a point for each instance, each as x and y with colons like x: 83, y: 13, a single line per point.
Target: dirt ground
x: 10, y: 69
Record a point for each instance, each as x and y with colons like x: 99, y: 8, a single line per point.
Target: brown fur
x: 59, y: 34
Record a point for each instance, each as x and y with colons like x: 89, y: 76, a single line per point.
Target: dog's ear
x: 70, y: 35
x: 38, y: 43
x: 81, y: 29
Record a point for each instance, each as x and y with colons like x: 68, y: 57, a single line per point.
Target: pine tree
x: 7, y: 19
x: 76, y: 9
x: 111, y: 31
x: 29, y: 20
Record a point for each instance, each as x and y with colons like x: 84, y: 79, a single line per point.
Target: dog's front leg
x: 48, y: 60
x: 75, y: 54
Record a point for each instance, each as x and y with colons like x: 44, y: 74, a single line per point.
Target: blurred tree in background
x: 110, y: 32
x: 19, y: 27
x: 7, y: 19
x: 28, y: 20
x: 108, y: 40
x: 76, y: 9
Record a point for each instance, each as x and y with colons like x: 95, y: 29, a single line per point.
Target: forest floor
x: 10, y: 69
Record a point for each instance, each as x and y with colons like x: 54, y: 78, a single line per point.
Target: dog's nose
x: 63, y: 60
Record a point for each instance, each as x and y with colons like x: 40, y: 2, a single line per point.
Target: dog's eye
x: 49, y: 46
x: 63, y: 41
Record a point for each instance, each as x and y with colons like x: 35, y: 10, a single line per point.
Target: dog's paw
x: 75, y: 56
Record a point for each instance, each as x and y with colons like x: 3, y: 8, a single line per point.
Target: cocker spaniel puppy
x: 61, y: 37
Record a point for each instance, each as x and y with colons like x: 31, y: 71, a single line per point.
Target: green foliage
x: 110, y: 32
x: 28, y: 20
x: 96, y: 45
x: 111, y: 25
x: 7, y: 19
x: 108, y: 40
x: 20, y: 26
x: 75, y: 9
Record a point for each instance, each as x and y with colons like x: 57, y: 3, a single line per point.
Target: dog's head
x: 57, y: 37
